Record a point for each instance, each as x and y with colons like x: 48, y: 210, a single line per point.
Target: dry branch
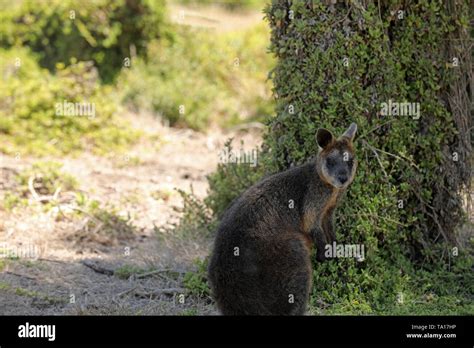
x: 20, y: 275
x: 41, y: 198
x: 96, y: 268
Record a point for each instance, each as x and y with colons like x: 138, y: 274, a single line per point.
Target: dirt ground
x: 70, y: 273
x: 213, y: 17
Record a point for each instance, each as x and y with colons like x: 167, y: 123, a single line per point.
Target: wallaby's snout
x: 342, y: 176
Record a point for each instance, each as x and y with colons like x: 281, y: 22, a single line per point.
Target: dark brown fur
x: 270, y: 272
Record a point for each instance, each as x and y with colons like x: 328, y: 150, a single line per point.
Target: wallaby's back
x: 259, y: 247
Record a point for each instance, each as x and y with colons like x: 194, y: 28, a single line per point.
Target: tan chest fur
x: 330, y: 204
x: 314, y: 216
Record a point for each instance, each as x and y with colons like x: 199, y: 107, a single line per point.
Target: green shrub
x: 196, y: 219
x: 31, y: 120
x: 229, y: 181
x: 196, y: 281
x: 104, y: 224
x: 11, y: 200
x: 103, y: 31
x: 47, y: 178
x: 336, y: 65
x: 202, y: 77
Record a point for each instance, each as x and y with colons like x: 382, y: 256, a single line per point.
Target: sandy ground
x: 213, y: 17
x: 62, y: 271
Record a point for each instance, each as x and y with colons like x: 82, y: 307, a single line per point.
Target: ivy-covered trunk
x: 402, y: 71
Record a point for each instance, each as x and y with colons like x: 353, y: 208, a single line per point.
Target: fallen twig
x: 20, y: 275
x: 31, y: 187
x: 97, y: 268
x: 41, y: 198
x: 85, y: 212
x: 126, y: 291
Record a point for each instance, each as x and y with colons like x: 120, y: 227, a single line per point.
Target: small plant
x: 45, y: 179
x: 6, y: 254
x: 190, y: 312
x: 3, y: 264
x: 4, y: 286
x: 11, y: 200
x: 196, y: 282
x: 19, y: 291
x: 196, y: 220
x: 126, y: 271
x: 26, y: 292
x: 163, y: 194
x: 101, y: 224
x: 229, y: 181
x: 127, y: 161
x: 107, y: 223
x: 37, y: 295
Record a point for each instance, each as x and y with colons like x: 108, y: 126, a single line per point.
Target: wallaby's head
x: 336, y: 163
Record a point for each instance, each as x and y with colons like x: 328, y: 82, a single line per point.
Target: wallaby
x: 261, y: 262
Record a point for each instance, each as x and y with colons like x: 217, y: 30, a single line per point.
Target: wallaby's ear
x: 350, y: 132
x: 324, y: 137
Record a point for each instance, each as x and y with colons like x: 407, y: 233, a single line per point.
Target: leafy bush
x: 229, y: 181
x: 31, y: 99
x: 196, y: 282
x: 198, y: 78
x: 337, y: 64
x: 196, y: 219
x: 104, y: 31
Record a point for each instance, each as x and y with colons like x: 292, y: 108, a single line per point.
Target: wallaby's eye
x: 330, y: 162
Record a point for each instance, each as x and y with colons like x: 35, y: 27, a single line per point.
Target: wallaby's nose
x: 342, y: 177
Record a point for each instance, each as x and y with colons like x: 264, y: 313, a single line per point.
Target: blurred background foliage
x: 218, y: 78
x: 125, y: 55
x: 29, y: 95
x: 103, y: 31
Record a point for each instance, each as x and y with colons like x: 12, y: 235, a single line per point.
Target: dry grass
x: 124, y: 240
